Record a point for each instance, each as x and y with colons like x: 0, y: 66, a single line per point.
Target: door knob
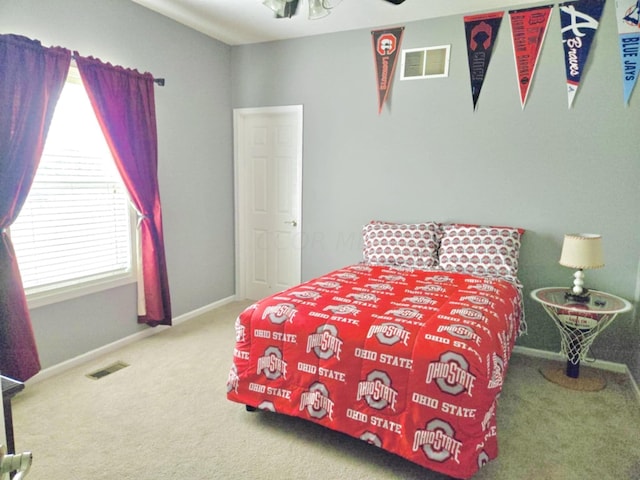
x: 293, y: 223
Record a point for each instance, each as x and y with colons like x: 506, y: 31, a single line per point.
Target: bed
x: 407, y: 350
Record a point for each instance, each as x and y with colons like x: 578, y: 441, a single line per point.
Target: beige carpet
x: 166, y: 417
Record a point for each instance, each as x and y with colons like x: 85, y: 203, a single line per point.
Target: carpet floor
x: 165, y: 416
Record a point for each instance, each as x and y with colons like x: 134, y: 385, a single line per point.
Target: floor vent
x: 103, y: 372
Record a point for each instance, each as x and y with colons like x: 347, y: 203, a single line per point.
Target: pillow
x: 480, y: 250
x: 412, y: 245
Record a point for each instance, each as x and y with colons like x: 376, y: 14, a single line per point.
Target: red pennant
x: 528, y: 29
x: 386, y: 45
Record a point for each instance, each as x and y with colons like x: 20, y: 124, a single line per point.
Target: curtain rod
x: 157, y: 81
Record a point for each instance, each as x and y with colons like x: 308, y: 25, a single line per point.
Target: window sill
x: 49, y: 297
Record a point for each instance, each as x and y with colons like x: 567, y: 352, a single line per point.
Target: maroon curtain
x: 124, y: 103
x: 31, y: 79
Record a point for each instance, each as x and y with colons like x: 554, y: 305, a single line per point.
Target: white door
x: 268, y: 171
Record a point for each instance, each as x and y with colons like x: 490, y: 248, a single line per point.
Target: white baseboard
x: 111, y: 347
x: 601, y: 364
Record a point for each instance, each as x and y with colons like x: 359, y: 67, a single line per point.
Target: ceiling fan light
x: 289, y: 10
x: 317, y: 10
x: 276, y: 5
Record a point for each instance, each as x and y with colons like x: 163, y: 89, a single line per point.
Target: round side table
x: 579, y: 323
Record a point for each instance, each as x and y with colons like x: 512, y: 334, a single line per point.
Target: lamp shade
x: 582, y: 250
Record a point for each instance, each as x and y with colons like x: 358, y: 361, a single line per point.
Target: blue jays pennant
x: 579, y: 21
x: 481, y: 31
x: 386, y: 46
x: 628, y: 20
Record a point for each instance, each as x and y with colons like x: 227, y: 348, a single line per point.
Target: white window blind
x: 75, y: 227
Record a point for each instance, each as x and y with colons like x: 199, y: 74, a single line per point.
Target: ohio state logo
x: 361, y: 268
x: 233, y: 379
x: 420, y: 300
x: 347, y: 276
x: 377, y: 391
x: 267, y: 406
x: 342, y: 309
x: 280, y: 313
x: 497, y: 372
x: 380, y: 287
x: 476, y: 300
x: 317, y: 402
x: 306, y: 295
x: 325, y: 342
x: 393, y: 278
x: 271, y: 364
x: 387, y: 44
x: 240, y: 331
x: 485, y: 287
x: 468, y: 313
x: 463, y: 332
x: 437, y: 441
x: 441, y: 279
x: 451, y: 374
x: 432, y: 288
x: 371, y: 438
x: 327, y: 284
x: 405, y: 313
x: 363, y: 297
x: 389, y: 333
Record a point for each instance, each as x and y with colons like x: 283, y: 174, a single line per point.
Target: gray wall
x: 547, y: 169
x: 195, y: 158
x: 428, y: 156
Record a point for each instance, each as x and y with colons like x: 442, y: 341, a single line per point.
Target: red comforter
x: 409, y: 360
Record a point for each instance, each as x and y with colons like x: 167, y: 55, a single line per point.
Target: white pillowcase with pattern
x: 480, y: 250
x: 413, y: 245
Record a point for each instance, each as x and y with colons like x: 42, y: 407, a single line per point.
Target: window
x: 75, y: 233
x: 428, y: 62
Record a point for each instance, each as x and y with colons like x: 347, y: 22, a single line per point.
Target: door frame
x: 240, y: 116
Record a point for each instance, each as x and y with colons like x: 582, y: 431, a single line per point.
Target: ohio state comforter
x: 411, y: 361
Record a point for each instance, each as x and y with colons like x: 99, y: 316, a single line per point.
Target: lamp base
x: 577, y: 297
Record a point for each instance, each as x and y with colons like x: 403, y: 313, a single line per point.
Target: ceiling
x: 238, y: 22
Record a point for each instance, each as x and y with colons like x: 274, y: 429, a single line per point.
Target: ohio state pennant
x: 528, y: 29
x: 481, y: 31
x: 386, y: 46
x: 579, y: 21
x: 628, y: 20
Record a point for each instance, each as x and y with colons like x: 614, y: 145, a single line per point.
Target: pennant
x: 528, y: 30
x: 386, y: 46
x: 579, y: 21
x: 628, y: 20
x: 481, y: 31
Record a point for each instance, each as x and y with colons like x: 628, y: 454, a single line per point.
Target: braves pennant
x: 481, y: 31
x: 628, y: 19
x: 528, y: 30
x: 386, y: 45
x: 579, y: 21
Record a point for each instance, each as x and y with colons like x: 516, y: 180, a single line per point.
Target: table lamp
x: 581, y: 251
